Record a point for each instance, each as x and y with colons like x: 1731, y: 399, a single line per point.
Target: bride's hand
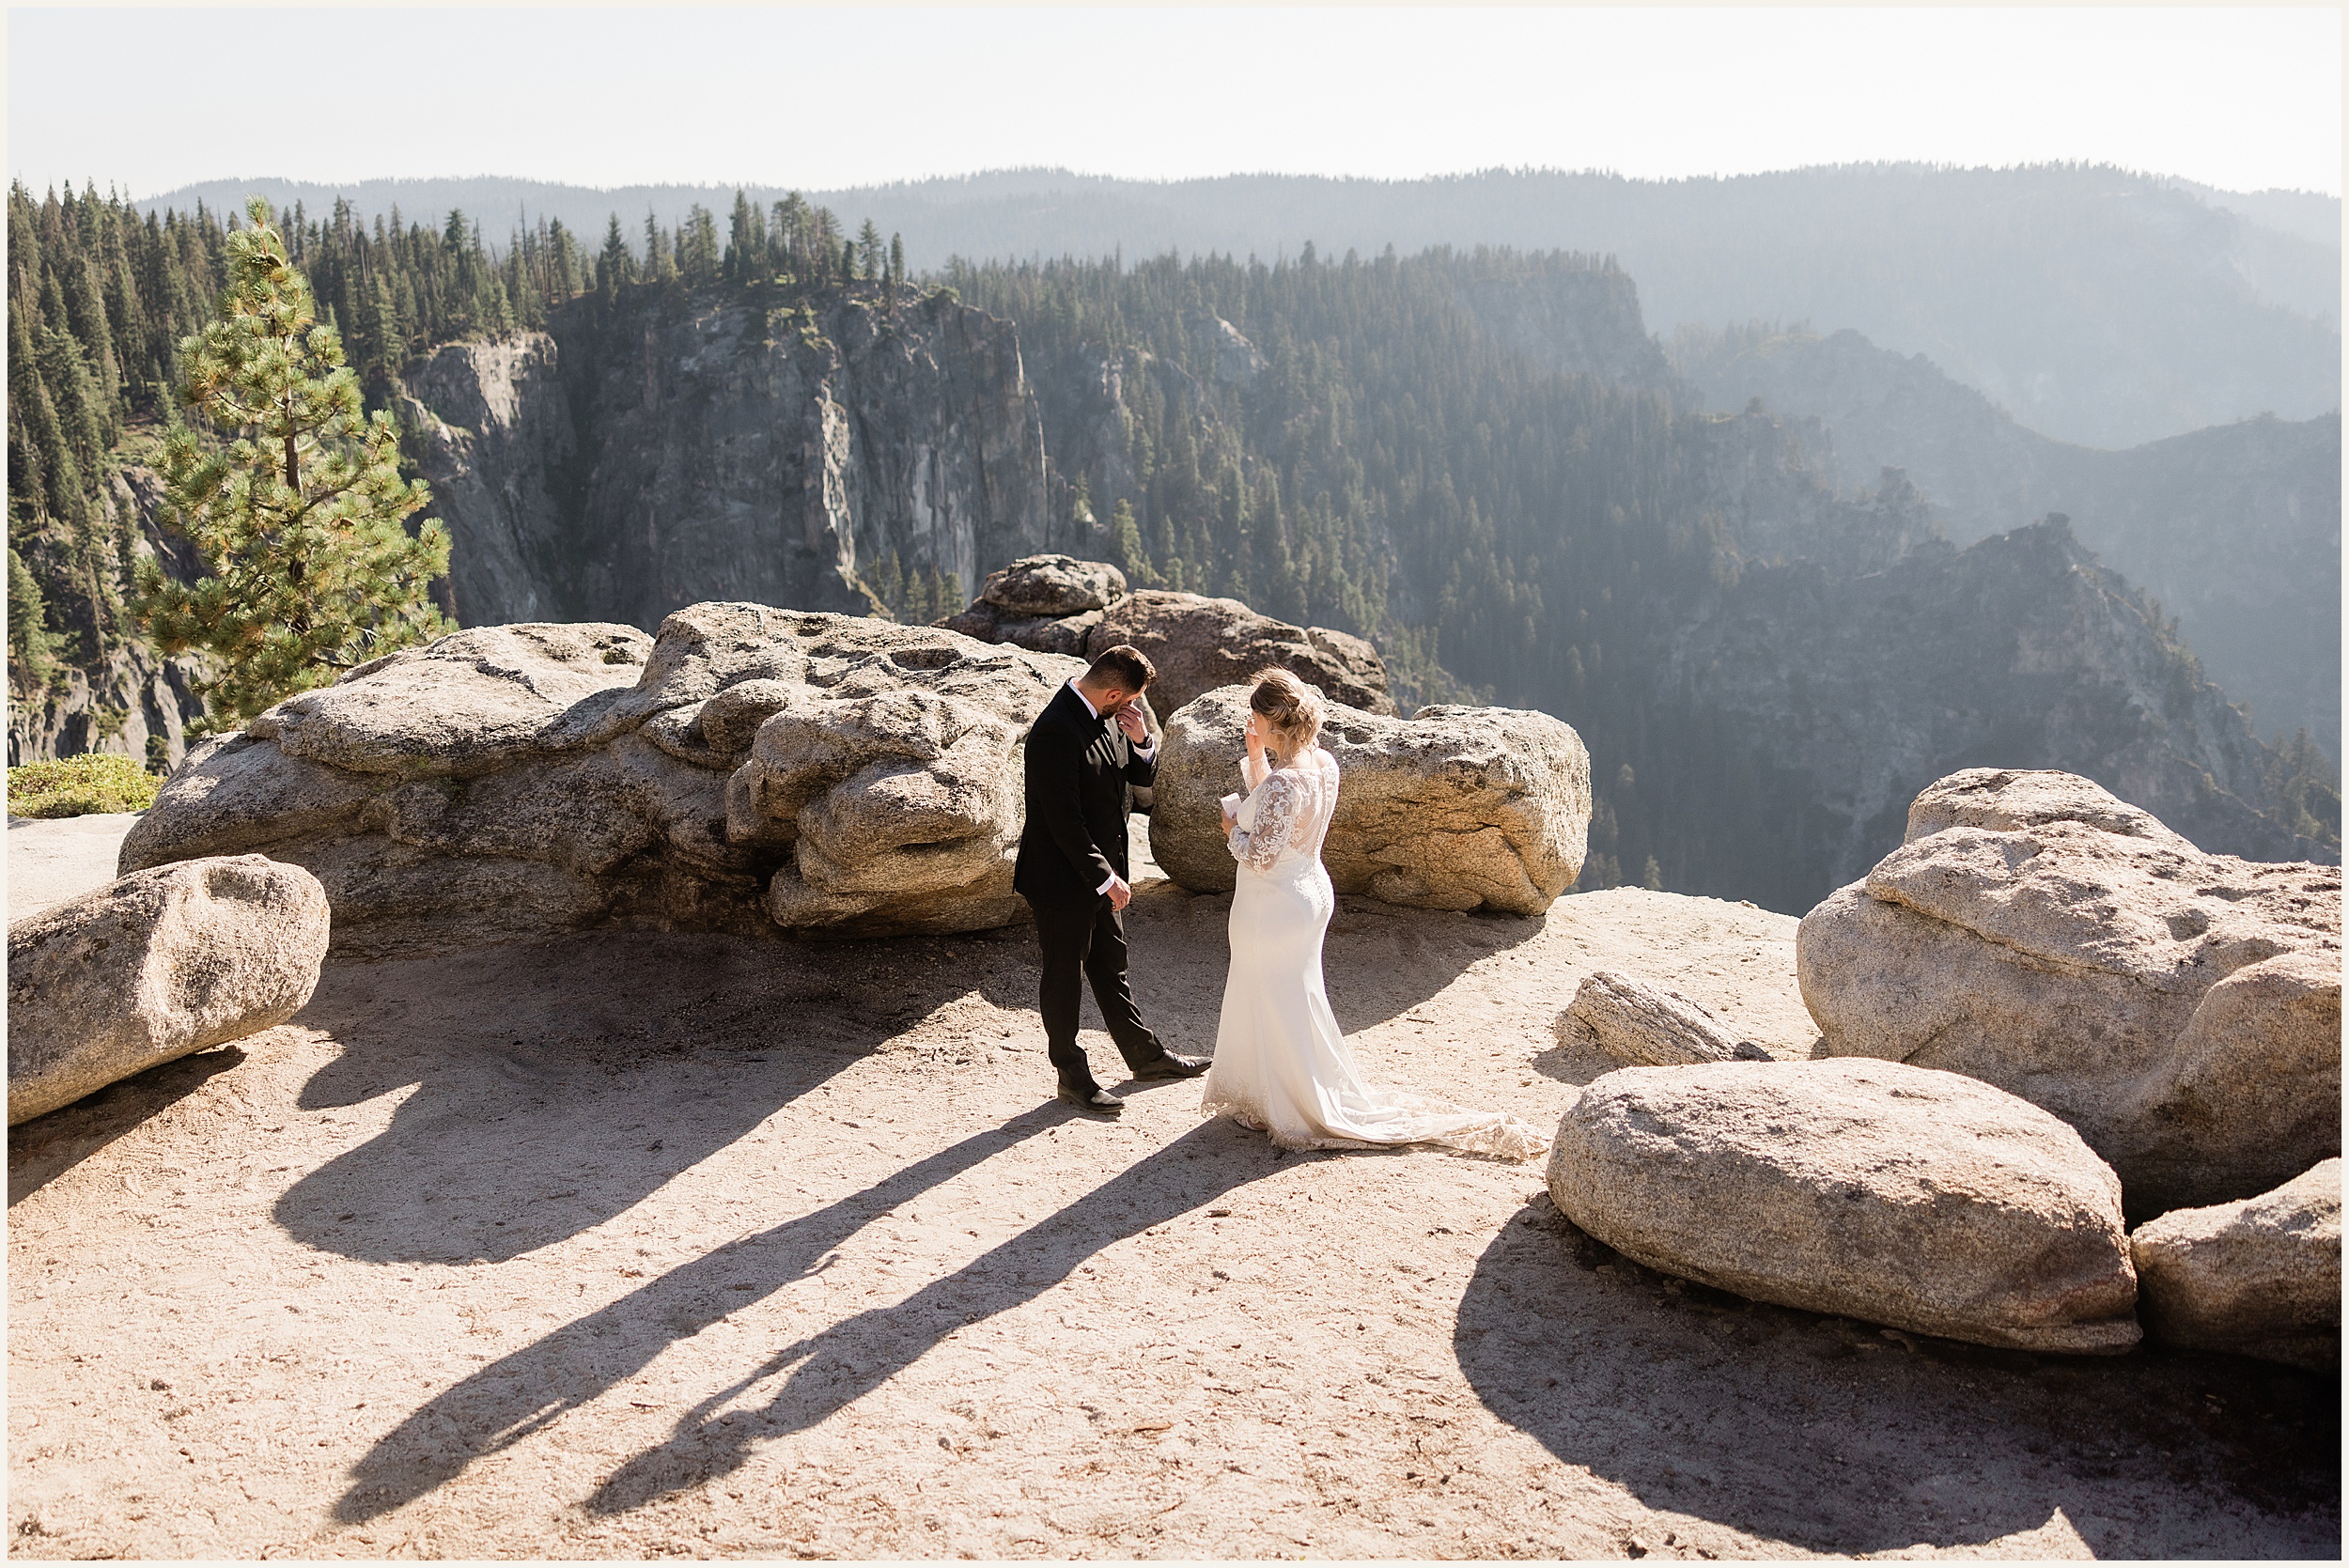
x: 1254, y: 736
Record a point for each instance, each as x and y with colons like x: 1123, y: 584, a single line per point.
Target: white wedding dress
x: 1280, y: 1064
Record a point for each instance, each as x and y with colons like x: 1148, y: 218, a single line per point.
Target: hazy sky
x: 149, y: 99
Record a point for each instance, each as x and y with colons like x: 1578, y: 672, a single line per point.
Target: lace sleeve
x: 1276, y: 811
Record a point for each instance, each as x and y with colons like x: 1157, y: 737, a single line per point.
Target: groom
x: 1087, y: 747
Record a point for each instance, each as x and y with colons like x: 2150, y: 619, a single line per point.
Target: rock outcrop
x: 1921, y: 1200
x: 1044, y: 603
x: 154, y: 966
x: 683, y: 446
x: 1200, y: 643
x: 1459, y: 808
x: 136, y: 704
x: 130, y: 701
x: 1057, y: 604
x: 2182, y: 1010
x: 1641, y: 1025
x: 498, y: 445
x: 828, y: 773
x: 2256, y: 1276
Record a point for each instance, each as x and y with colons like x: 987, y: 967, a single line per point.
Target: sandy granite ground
x: 635, y: 1245
x: 49, y: 861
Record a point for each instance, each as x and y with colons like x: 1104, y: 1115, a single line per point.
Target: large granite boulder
x: 1921, y: 1200
x: 748, y: 766
x: 2180, y: 1009
x: 2258, y: 1276
x: 1459, y: 808
x: 153, y: 967
x: 1058, y: 604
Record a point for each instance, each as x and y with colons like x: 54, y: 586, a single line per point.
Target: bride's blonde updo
x: 1292, y: 708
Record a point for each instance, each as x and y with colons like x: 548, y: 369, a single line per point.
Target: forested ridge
x: 1474, y: 457
x: 2235, y: 528
x: 100, y: 295
x: 2097, y: 304
x: 1394, y: 470
x: 1402, y: 467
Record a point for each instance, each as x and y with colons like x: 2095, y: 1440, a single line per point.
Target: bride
x: 1281, y: 1064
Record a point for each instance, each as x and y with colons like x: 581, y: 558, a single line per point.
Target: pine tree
x: 698, y: 245
x: 73, y: 392
x: 562, y: 261
x: 746, y: 242
x: 660, y: 261
x: 889, y: 584
x: 614, y: 268
x: 1126, y: 547
x: 787, y: 233
x: 299, y: 518
x: 32, y: 647
x: 868, y: 251
x: 86, y: 311
x: 52, y: 478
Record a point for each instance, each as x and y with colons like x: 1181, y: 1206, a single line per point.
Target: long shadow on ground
x: 556, y: 1084
x: 521, y: 1393
x: 46, y: 1147
x: 1832, y: 1437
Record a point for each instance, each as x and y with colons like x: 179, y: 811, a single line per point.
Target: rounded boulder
x: 153, y: 967
x: 2256, y: 1276
x: 1901, y: 1196
x: 1459, y: 808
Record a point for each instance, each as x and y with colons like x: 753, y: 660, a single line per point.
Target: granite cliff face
x: 131, y: 702
x: 494, y: 425
x: 677, y: 448
x: 136, y: 704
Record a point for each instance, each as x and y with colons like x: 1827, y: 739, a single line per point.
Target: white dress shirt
x: 1147, y: 750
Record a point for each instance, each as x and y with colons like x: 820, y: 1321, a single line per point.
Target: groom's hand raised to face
x: 1129, y: 719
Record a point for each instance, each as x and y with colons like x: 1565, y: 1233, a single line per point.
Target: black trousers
x: 1086, y: 940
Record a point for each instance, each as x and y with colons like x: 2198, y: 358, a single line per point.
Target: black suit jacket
x: 1079, y: 772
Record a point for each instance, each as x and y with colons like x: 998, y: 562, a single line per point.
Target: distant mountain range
x: 2097, y: 306
x: 2236, y: 530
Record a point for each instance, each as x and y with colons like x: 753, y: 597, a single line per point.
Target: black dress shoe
x: 1171, y: 1065
x: 1100, y: 1102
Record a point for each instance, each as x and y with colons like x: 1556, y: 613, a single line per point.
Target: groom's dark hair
x: 1123, y: 667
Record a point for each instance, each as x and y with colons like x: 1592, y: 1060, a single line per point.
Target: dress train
x: 1282, y: 1064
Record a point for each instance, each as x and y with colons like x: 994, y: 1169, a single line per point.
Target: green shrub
x: 78, y: 786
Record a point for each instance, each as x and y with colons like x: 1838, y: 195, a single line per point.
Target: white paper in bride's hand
x: 1231, y: 805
